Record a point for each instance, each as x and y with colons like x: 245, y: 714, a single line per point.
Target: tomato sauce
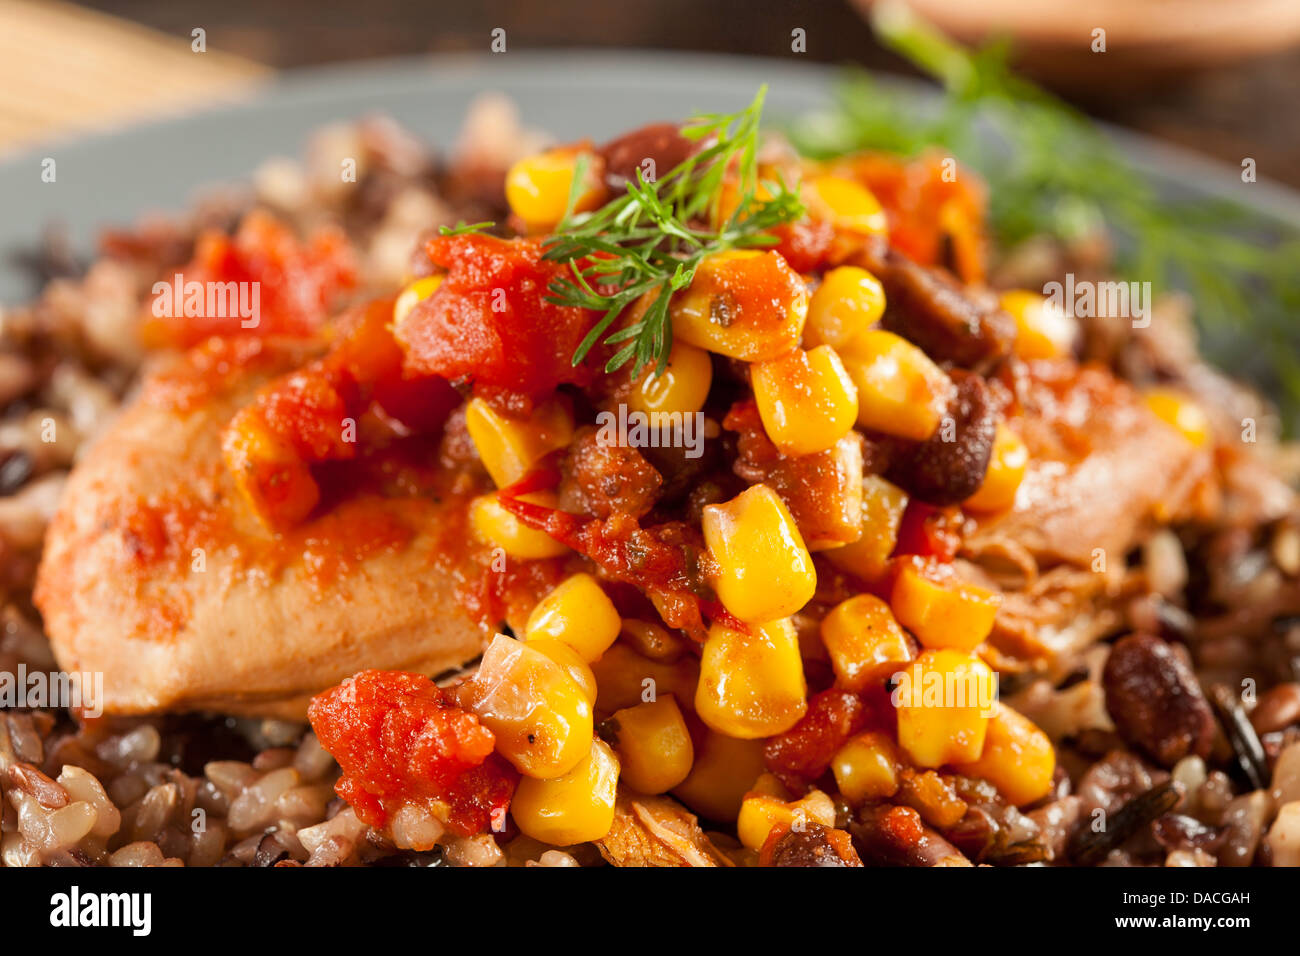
x: 399, y: 739
x: 297, y: 284
x: 490, y: 323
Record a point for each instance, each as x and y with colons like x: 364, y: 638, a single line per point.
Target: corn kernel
x: 495, y: 526
x: 849, y: 301
x: 883, y: 505
x: 1018, y: 758
x: 540, y: 716
x: 1007, y: 466
x: 806, y: 400
x: 865, y: 643
x: 764, y: 571
x: 413, y: 295
x: 900, y: 391
x: 723, y: 772
x: 576, y: 807
x: 654, y: 746
x: 573, y: 665
x: 760, y: 813
x: 944, y: 700
x: 683, y: 386
x: 624, y: 679
x: 866, y: 768
x: 510, y: 447
x: 1176, y: 409
x: 579, y: 613
x: 845, y: 204
x: 538, y: 186
x: 751, y: 685
x: 745, y: 304
x: 1043, y: 330
x: 943, y: 614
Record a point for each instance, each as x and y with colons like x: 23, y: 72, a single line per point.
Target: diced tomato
x: 935, y: 210
x: 489, y: 322
x: 400, y: 739
x: 801, y: 754
x: 297, y: 284
x: 805, y: 243
x: 929, y: 531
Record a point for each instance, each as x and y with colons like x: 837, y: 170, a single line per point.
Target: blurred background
x: 1219, y: 77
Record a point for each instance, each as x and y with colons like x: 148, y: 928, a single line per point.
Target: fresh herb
x: 1051, y: 171
x: 463, y: 228
x: 653, y: 238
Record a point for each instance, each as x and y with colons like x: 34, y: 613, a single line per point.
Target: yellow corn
x: 1176, y: 409
x: 900, y: 391
x: 806, y: 400
x: 573, y: 665
x: 944, y: 700
x: 724, y: 770
x: 510, y: 447
x: 540, y: 716
x: 751, y: 685
x: 882, y: 515
x: 624, y: 679
x: 760, y: 813
x: 1043, y: 330
x: 764, y: 571
x: 495, y: 526
x: 746, y: 304
x: 579, y: 613
x: 653, y: 744
x: 1007, y: 466
x: 847, y: 205
x: 538, y: 186
x: 576, y: 807
x: 683, y: 386
x: 849, y: 301
x: 1018, y: 758
x: 943, y: 614
x: 865, y: 643
x: 866, y: 768
x: 413, y: 295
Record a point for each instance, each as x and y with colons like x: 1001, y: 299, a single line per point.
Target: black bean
x: 1156, y: 700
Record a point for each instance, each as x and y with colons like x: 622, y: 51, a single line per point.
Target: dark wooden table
x: 1232, y: 112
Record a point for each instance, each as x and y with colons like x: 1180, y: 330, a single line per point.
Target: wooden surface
x: 63, y: 67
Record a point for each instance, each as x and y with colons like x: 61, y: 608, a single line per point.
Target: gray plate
x: 114, y: 178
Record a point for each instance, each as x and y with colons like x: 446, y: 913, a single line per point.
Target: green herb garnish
x: 653, y: 238
x: 1051, y: 171
x: 463, y: 228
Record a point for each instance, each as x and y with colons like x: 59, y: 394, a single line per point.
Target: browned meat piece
x: 822, y: 491
x: 157, y: 574
x: 928, y: 307
x: 598, y: 479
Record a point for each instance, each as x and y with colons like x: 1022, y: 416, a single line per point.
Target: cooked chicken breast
x: 1103, y: 471
x: 157, y: 574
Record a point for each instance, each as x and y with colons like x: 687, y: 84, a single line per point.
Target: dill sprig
x: 652, y: 238
x: 1052, y: 171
